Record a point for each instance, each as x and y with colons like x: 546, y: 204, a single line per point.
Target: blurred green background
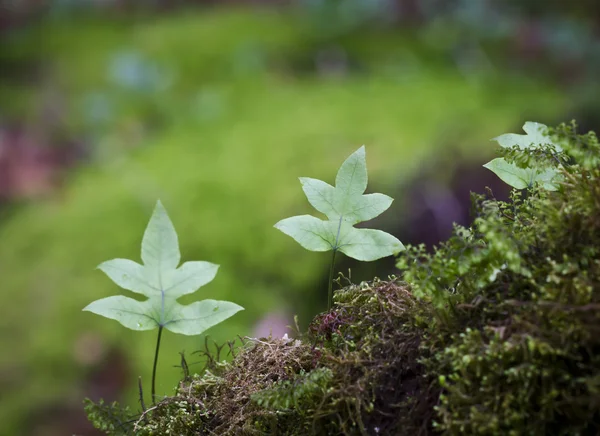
x: 216, y: 108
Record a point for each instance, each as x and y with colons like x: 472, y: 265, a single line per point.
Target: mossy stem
x: 330, y: 294
x: 160, y: 329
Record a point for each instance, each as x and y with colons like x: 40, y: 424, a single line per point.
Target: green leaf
x: 521, y: 178
x: 344, y: 205
x: 535, y: 136
x: 162, y: 283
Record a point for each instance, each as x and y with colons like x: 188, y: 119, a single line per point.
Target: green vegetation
x: 344, y: 205
x: 515, y: 348
x: 162, y: 281
x: 525, y: 176
x: 218, y: 145
x: 493, y: 333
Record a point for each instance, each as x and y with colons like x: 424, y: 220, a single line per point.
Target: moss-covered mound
x: 221, y: 144
x: 496, y: 332
x: 336, y: 379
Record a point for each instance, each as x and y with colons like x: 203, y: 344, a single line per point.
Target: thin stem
x: 330, y: 294
x: 337, y: 241
x: 141, y: 394
x: 160, y: 329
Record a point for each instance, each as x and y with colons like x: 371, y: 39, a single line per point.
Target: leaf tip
x: 279, y: 225
x: 159, y: 205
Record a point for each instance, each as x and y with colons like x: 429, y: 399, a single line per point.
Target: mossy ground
x: 495, y: 333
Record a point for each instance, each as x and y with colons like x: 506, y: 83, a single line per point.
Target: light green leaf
x: 133, y: 314
x: 368, y: 244
x: 163, y: 283
x: 310, y: 232
x: 521, y: 178
x: 534, y: 137
x: 344, y: 205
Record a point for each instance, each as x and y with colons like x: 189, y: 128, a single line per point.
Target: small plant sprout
x: 344, y: 205
x: 521, y: 178
x: 162, y: 283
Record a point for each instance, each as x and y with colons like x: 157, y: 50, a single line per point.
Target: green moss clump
x: 516, y: 348
x: 112, y: 418
x: 495, y: 333
x: 519, y: 351
x: 220, y: 400
x: 335, y: 380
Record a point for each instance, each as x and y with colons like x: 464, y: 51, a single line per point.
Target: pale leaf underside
x: 344, y: 205
x: 535, y: 135
x: 162, y: 283
x: 521, y: 178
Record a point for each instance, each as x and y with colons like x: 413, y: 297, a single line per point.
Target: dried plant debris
x: 220, y: 400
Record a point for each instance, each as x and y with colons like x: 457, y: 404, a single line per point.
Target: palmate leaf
x: 534, y: 137
x: 344, y: 205
x: 162, y: 283
x: 521, y: 178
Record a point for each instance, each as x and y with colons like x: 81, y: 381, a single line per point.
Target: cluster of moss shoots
x: 496, y: 332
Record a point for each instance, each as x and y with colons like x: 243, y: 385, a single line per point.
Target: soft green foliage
x: 514, y: 346
x: 536, y: 135
x: 344, y: 205
x: 520, y: 177
x: 112, y: 419
x: 242, y: 115
x: 163, y: 283
x: 510, y: 347
x: 295, y: 393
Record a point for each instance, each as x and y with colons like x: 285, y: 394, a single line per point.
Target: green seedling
x: 344, y: 205
x: 162, y: 282
x: 521, y: 178
x: 535, y: 134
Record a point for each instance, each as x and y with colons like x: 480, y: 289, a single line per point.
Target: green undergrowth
x: 224, y: 173
x: 331, y: 380
x: 495, y: 333
x: 217, y: 144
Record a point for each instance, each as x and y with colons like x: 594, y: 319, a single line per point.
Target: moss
x: 220, y: 400
x: 112, y: 419
x: 210, y: 175
x: 495, y: 333
x: 335, y: 380
x: 516, y: 342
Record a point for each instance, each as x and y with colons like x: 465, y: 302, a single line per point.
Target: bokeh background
x: 216, y: 107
